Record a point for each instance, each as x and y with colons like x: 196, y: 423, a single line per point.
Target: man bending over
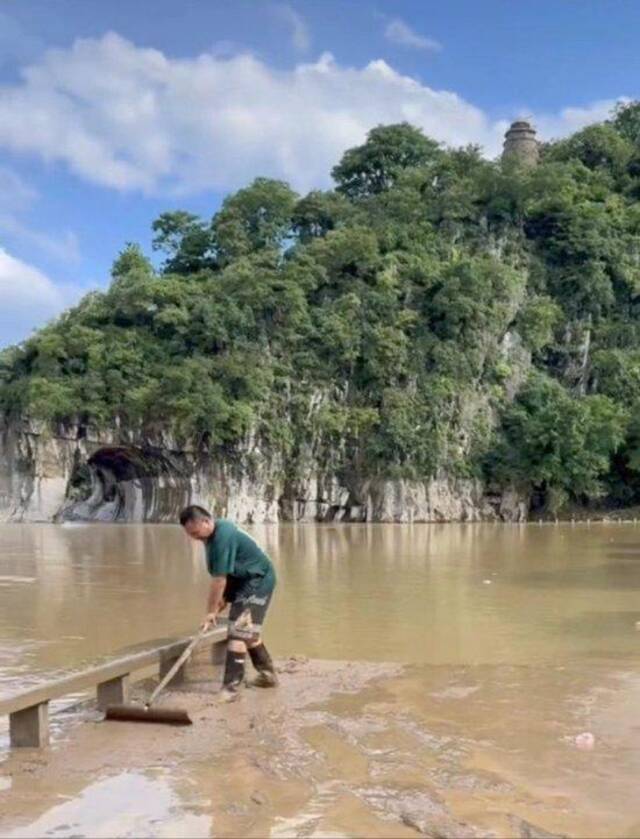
x: 243, y: 576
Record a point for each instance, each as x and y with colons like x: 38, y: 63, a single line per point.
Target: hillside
x: 435, y: 316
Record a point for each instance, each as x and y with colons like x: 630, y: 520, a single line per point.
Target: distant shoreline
x: 625, y: 515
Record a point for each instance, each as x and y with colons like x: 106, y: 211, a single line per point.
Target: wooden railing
x: 29, y: 710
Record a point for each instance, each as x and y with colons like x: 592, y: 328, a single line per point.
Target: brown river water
x: 514, y: 639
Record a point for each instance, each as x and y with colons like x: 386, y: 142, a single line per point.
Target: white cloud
x: 300, y: 39
x: 399, y: 32
x: 568, y: 120
x: 22, y: 285
x: 16, y: 197
x: 132, y: 118
x: 29, y: 298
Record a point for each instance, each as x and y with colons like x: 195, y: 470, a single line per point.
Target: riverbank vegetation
x: 435, y: 312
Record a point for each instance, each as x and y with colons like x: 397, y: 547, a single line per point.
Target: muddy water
x: 437, y: 594
x: 515, y: 640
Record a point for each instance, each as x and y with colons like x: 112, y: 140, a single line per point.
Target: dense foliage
x: 435, y: 312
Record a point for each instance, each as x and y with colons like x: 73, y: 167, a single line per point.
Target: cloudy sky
x: 112, y: 112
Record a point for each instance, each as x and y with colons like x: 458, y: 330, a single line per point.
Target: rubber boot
x: 263, y: 663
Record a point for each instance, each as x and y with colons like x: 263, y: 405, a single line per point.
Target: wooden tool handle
x: 178, y: 664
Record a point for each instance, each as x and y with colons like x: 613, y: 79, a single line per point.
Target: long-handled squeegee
x: 145, y: 713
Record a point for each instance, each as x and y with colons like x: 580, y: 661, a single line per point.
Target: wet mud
x: 345, y: 749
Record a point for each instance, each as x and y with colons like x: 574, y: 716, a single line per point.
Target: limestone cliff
x: 76, y: 475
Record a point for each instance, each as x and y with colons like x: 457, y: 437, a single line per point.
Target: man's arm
x: 215, y: 601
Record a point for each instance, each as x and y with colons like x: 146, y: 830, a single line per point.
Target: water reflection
x: 459, y: 594
x: 129, y: 804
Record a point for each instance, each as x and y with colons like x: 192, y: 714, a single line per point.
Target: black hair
x: 192, y: 513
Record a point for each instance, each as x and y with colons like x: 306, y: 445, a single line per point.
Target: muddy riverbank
x: 345, y: 750
x: 508, y: 643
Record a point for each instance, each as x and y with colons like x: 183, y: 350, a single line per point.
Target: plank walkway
x: 29, y: 710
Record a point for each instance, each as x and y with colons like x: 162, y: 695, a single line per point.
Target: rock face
x: 75, y: 475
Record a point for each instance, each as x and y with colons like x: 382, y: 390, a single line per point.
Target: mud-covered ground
x: 345, y: 750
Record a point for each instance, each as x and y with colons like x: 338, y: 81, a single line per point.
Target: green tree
x: 596, y: 146
x: 185, y: 239
x: 131, y: 260
x: 626, y: 120
x: 557, y: 444
x: 537, y: 320
x: 318, y: 213
x: 255, y: 218
x: 375, y: 166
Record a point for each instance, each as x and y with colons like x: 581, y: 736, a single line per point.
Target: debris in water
x: 585, y: 741
x: 487, y: 582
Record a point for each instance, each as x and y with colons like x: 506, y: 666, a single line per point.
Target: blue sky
x: 111, y: 113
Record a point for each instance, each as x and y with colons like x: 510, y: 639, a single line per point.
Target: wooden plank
x: 102, y: 673
x: 30, y: 727
x: 113, y: 692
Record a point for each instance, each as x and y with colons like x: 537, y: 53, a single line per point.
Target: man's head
x: 198, y: 522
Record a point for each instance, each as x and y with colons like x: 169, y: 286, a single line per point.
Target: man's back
x: 233, y: 552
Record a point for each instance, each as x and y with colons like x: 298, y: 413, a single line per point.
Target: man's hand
x: 209, y: 621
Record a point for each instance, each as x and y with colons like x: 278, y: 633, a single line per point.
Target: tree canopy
x: 437, y: 311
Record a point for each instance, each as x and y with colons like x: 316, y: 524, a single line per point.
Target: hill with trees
x: 435, y: 313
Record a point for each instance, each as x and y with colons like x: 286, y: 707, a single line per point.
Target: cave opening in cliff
x: 127, y: 483
x: 127, y: 463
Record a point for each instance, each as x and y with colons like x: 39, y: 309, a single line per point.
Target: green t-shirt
x: 232, y: 552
